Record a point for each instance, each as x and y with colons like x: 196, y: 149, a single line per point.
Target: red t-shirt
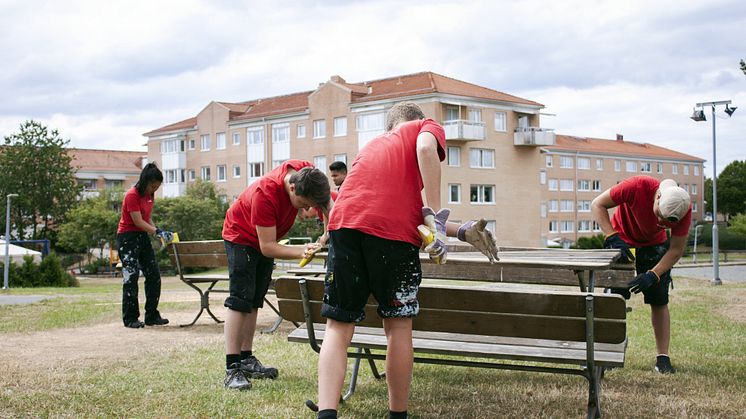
x: 382, y: 191
x: 634, y: 218
x: 265, y: 203
x: 133, y: 202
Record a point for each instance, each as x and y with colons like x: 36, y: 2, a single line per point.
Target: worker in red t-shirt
x: 136, y: 251
x: 263, y: 213
x: 645, y: 209
x: 374, y: 248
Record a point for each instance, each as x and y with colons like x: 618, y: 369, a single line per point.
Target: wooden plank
x: 483, y: 299
x: 483, y: 323
x: 205, y: 246
x: 575, y: 356
x: 470, y: 271
x: 214, y: 260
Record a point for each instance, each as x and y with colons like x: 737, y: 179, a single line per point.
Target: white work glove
x: 475, y: 233
x: 437, y: 224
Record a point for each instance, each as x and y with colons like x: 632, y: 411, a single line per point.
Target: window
x: 192, y: 175
x: 596, y: 185
x: 454, y: 193
x: 584, y: 225
x: 501, y: 121
x: 277, y: 163
x: 553, y: 184
x: 549, y: 160
x: 584, y: 185
x: 220, y: 141
x: 686, y: 187
x: 675, y: 169
x: 694, y: 206
x: 565, y: 162
x: 280, y: 133
x: 320, y: 163
x: 115, y: 183
x: 686, y: 169
x: 170, y: 176
x: 482, y: 194
x: 554, y: 226
x: 191, y: 143
x: 482, y: 158
x: 543, y: 210
x: 319, y: 128
x: 475, y: 115
x: 340, y: 126
x: 584, y: 163
x: 566, y: 184
x: 566, y: 205
x: 454, y: 156
x: 542, y: 177
x: 694, y: 188
x: 301, y: 131
x: 646, y: 167
x: 553, y: 205
x: 659, y: 167
x: 596, y: 226
x: 236, y: 138
x: 341, y: 157
x: 205, y: 142
x: 236, y: 170
x: 205, y: 172
x: 584, y: 206
x: 452, y: 113
x: 617, y: 165
x: 221, y: 173
x: 255, y: 136
x: 696, y: 170
x: 256, y: 169
x: 599, y: 164
x: 172, y: 146
x: 631, y: 166
x: 567, y: 226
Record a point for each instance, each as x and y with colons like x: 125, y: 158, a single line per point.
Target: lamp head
x: 698, y: 115
x: 730, y: 110
x: 12, y: 195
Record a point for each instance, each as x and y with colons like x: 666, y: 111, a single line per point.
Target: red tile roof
x: 618, y: 147
x: 107, y: 160
x: 389, y: 88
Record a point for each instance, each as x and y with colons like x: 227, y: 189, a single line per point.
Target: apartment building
x: 492, y: 138
x: 575, y: 170
x: 97, y: 170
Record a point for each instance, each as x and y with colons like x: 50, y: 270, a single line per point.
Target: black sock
x: 397, y: 415
x: 231, y: 359
x: 327, y: 414
x: 245, y: 354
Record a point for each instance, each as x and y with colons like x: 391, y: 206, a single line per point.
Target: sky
x: 104, y: 73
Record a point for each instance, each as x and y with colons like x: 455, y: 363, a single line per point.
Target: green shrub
x: 728, y: 238
x: 48, y: 273
x: 593, y: 242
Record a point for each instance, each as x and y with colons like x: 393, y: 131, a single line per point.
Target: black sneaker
x: 235, y: 378
x: 135, y: 324
x: 254, y: 369
x: 158, y: 321
x: 663, y: 365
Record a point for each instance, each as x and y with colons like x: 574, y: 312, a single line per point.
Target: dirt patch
x: 735, y: 301
x: 91, y: 343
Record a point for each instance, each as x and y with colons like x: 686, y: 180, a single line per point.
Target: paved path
x: 727, y: 273
x: 21, y: 299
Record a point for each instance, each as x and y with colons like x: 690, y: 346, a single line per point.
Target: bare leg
x: 333, y: 362
x: 249, y: 327
x: 662, y: 327
x: 399, y: 361
x: 234, y: 330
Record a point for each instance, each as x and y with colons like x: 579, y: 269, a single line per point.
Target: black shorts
x: 250, y: 274
x: 360, y: 264
x: 645, y: 259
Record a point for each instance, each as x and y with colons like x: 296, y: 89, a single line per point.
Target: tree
x: 95, y: 219
x: 198, y: 215
x: 738, y: 223
x: 36, y: 166
x: 708, y: 195
x: 743, y: 67
x: 732, y: 189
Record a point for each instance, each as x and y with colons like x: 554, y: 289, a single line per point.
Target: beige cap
x: 674, y: 201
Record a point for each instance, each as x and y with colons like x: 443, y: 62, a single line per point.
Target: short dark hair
x: 403, y: 112
x: 149, y: 174
x: 338, y: 166
x: 313, y: 184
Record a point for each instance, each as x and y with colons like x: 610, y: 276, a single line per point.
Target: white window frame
x: 675, y: 169
x: 646, y: 167
x: 280, y: 133
x: 584, y: 185
x: 480, y: 194
x: 584, y: 163
x: 319, y: 128
x: 566, y: 205
x: 341, y: 157
x: 191, y: 143
x: 630, y: 166
x: 236, y: 171
x: 553, y: 184
x: 553, y: 226
x: 220, y: 141
x: 320, y: 163
x: 696, y: 170
x: 694, y: 189
x: 584, y: 205
x: 340, y: 126
x: 454, y: 151
x: 204, y: 142
x: 501, y: 121
x: 566, y: 162
x: 553, y: 205
x: 191, y: 175
x: 457, y: 187
x: 599, y: 164
x: 236, y: 138
x: 617, y: 165
x: 480, y: 154
x: 256, y: 169
x: 566, y: 185
x: 659, y: 167
x: 549, y: 160
x: 300, y: 131
x: 567, y: 226
x: 205, y: 173
x: 542, y: 177
x: 686, y: 169
x: 596, y: 185
x: 255, y: 136
x: 584, y: 226
x: 222, y: 173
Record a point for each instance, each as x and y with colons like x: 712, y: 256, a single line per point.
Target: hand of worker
x: 643, y: 281
x: 310, y: 249
x: 613, y: 241
x: 475, y: 233
x: 436, y: 222
x: 166, y: 236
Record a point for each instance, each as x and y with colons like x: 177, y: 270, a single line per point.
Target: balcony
x: 463, y: 130
x: 533, y: 136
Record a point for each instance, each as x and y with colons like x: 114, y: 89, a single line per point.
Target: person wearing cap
x: 645, y: 209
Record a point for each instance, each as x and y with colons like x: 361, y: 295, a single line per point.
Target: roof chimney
x: 620, y: 137
x: 337, y: 79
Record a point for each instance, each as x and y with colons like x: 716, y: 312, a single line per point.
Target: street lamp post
x: 6, y: 265
x: 699, y: 115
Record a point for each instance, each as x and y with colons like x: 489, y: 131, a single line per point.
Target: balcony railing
x: 460, y: 129
x: 533, y: 136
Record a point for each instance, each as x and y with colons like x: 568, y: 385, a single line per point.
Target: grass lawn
x: 69, y: 356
